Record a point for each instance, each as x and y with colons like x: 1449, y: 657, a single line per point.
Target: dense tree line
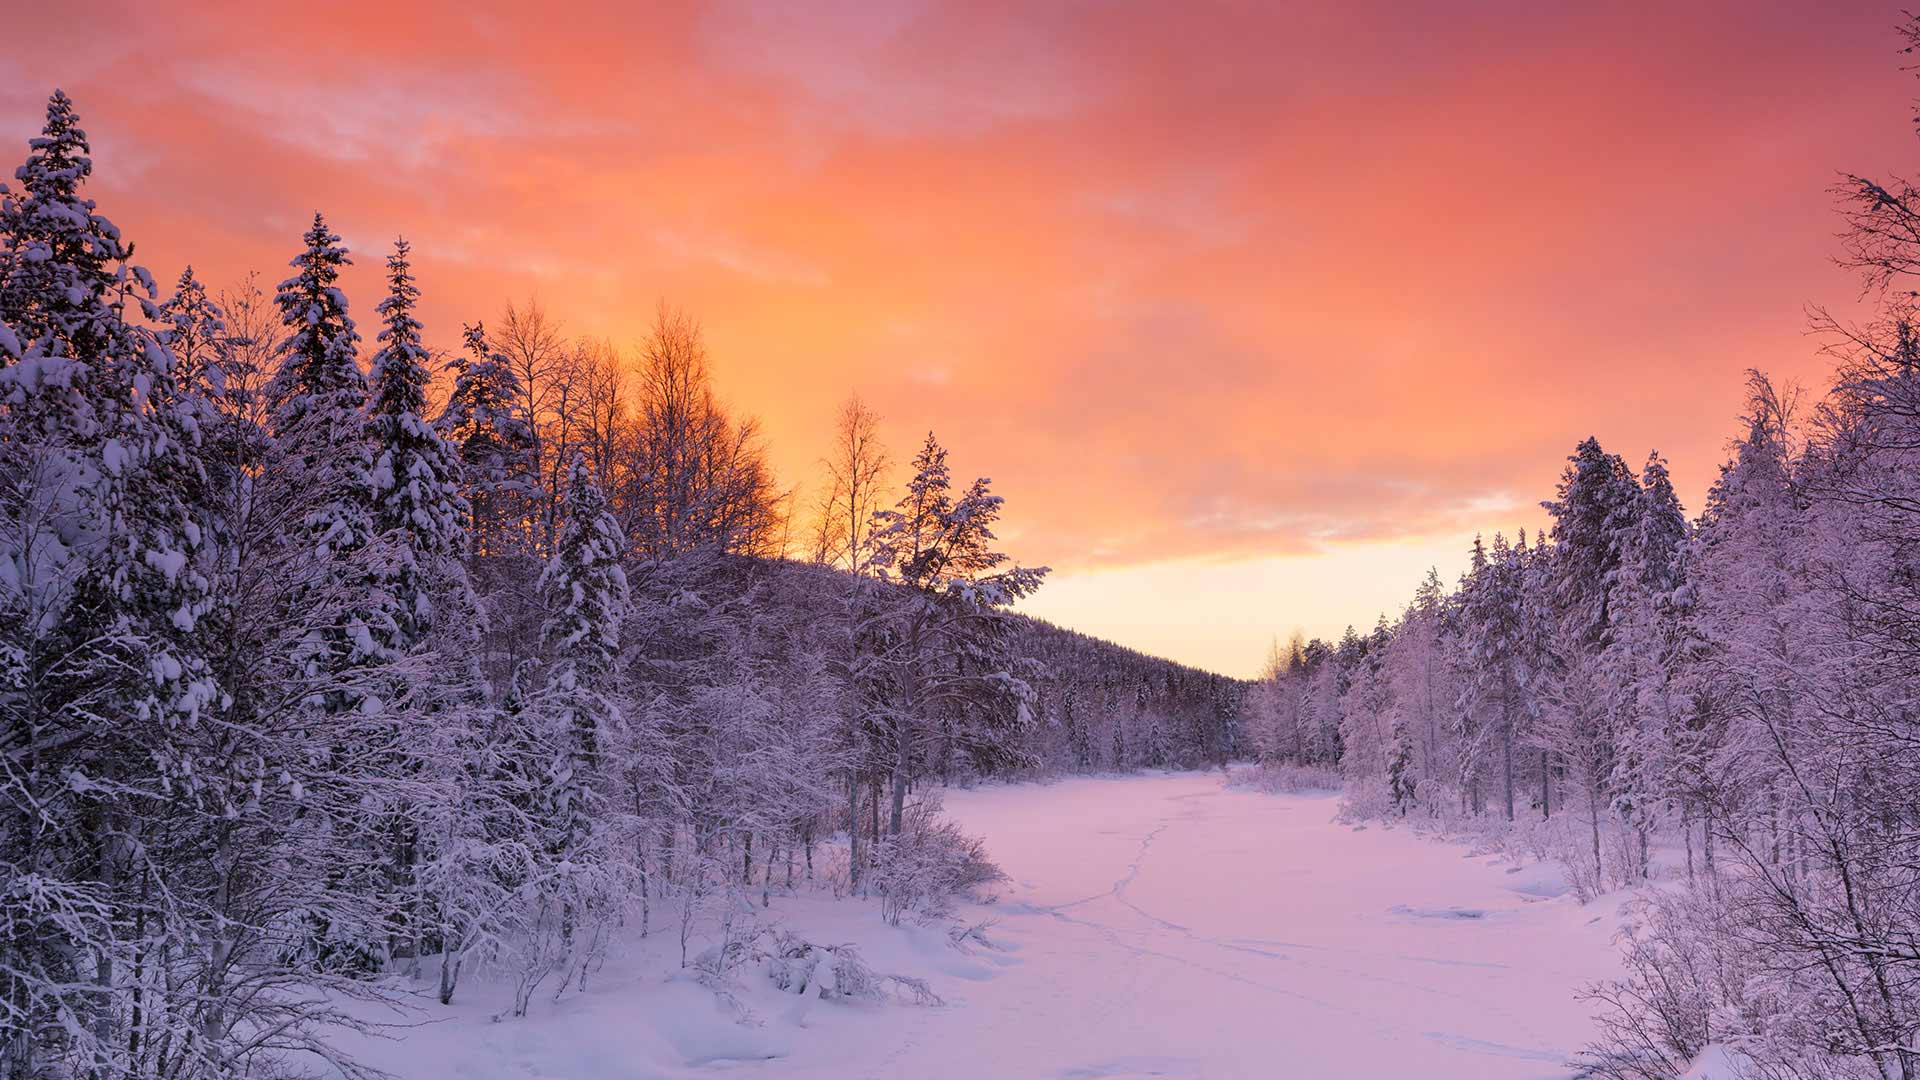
x: 323, y: 659
x: 1104, y: 707
x: 1737, y: 688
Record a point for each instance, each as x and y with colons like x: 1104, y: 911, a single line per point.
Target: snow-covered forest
x: 357, y: 693
x: 1732, y: 691
x: 327, y: 658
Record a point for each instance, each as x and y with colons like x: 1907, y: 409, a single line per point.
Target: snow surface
x: 1155, y: 926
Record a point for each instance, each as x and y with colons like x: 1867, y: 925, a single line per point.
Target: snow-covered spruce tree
x: 1640, y: 655
x: 219, y: 380
x: 418, y: 508
x: 1469, y: 734
x: 576, y: 891
x: 106, y: 548
x: 587, y: 601
x: 351, y: 618
x: 1598, y: 501
x: 1367, y: 739
x: 251, y: 874
x: 1540, y: 664
x: 1786, y: 943
x: 194, y: 331
x: 319, y: 401
x: 942, y: 621
x: 1330, y: 668
x: 1422, y: 690
x: 421, y: 520
x: 486, y: 423
x: 1491, y: 641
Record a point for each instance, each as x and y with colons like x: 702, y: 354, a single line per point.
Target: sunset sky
x: 1252, y: 312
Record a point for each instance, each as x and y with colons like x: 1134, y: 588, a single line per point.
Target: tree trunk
x: 898, y: 807
x: 1506, y: 753
x: 905, y: 723
x: 853, y: 833
x: 1706, y: 850
x: 449, y: 973
x: 1686, y: 831
x: 1593, y: 816
x: 103, y: 959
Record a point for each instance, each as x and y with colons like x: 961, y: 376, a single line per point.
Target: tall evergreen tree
x: 587, y: 599
x: 941, y: 642
x: 194, y: 331
x: 486, y: 422
x: 565, y: 733
x: 419, y: 511
x: 1643, y: 636
x: 1492, y: 639
x: 319, y: 396
x: 319, y: 414
x: 1597, y: 500
x: 106, y: 549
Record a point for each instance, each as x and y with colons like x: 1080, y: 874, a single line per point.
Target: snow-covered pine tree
x: 1597, y: 498
x: 420, y: 518
x: 194, y: 331
x: 1640, y: 654
x: 1538, y: 661
x: 419, y: 511
x: 351, y: 619
x: 319, y: 415
x: 575, y: 891
x: 1598, y: 501
x: 587, y: 600
x: 943, y: 627
x: 1423, y: 688
x: 106, y: 548
x: 486, y: 422
x: 1367, y: 738
x: 193, y: 327
x: 1491, y: 635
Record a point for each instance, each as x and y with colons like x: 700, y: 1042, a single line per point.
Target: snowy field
x: 1156, y: 926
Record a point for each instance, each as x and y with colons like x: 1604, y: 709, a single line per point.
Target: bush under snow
x: 931, y: 861
x: 1285, y: 778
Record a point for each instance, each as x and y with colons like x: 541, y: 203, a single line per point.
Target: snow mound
x: 1716, y: 1062
x: 1454, y: 913
x: 1136, y: 1068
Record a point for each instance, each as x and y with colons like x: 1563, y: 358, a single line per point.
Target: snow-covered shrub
x: 739, y: 941
x: 832, y: 866
x: 919, y: 871
x: 966, y: 938
x: 835, y: 972
x: 1367, y: 799
x: 1682, y: 964
x: 1286, y: 778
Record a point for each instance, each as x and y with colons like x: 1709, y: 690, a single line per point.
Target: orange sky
x: 1252, y: 311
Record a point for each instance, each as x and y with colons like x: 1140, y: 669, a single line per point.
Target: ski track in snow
x: 1157, y: 926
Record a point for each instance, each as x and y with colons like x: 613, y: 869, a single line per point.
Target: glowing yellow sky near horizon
x: 1221, y: 615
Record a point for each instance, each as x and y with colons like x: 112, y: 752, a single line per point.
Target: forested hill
x: 1103, y: 706
x: 1091, y: 704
